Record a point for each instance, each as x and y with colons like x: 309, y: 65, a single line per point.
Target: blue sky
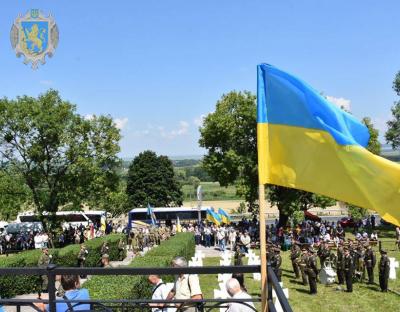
x: 158, y: 66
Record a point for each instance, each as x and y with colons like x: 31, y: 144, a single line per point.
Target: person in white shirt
x: 232, y: 238
x: 235, y: 291
x: 38, y: 241
x: 221, y: 239
x: 160, y: 292
x: 45, y: 240
x: 187, y: 286
x: 246, y: 241
x: 327, y: 237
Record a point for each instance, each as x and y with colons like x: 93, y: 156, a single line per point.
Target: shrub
x: 129, y: 287
x: 11, y: 286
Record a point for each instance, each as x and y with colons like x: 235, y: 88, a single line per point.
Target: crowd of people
x: 315, y: 246
x: 28, y: 239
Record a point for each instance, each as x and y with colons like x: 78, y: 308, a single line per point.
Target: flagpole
x: 261, y: 192
x: 263, y: 248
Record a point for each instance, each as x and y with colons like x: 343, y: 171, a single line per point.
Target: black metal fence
x: 142, y: 304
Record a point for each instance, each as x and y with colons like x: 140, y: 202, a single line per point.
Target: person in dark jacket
x: 384, y: 269
x: 312, y: 271
x: 340, y: 264
x: 370, y: 262
x: 348, y: 270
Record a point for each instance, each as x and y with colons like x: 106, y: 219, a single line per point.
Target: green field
x: 211, y: 191
x: 365, y: 298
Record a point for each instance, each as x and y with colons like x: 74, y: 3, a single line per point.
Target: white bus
x: 167, y: 214
x: 67, y: 218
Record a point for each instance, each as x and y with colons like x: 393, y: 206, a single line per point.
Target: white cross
x: 393, y: 266
x: 277, y: 304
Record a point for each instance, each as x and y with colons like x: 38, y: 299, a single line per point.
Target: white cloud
x: 380, y: 123
x: 182, y: 129
x: 121, y: 123
x: 199, y: 120
x: 161, y: 131
x: 89, y: 117
x: 340, y: 102
x: 46, y: 82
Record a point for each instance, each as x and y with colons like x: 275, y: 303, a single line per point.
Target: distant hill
x: 178, y: 161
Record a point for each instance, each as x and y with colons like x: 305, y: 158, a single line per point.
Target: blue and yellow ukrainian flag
x: 213, y: 217
x: 226, y: 219
x: 307, y: 143
x: 150, y: 212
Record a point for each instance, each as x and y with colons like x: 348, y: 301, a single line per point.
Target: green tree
x: 392, y: 135
x: 374, y: 146
x: 357, y: 213
x: 115, y: 202
x: 229, y: 135
x: 151, y: 180
x: 194, y: 182
x: 14, y: 194
x: 62, y: 157
x: 396, y: 84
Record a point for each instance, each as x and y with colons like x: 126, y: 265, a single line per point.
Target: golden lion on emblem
x: 34, y: 37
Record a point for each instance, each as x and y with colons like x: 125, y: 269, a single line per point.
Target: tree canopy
x: 396, y: 84
x: 229, y: 134
x: 151, y: 180
x: 60, y: 156
x: 374, y: 146
x: 13, y: 193
x: 392, y: 135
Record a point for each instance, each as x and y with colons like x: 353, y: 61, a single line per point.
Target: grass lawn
x: 365, y: 298
x: 211, y: 191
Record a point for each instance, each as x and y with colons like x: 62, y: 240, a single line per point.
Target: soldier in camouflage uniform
x: 323, y: 254
x: 152, y: 236
x: 158, y: 236
x: 135, y: 241
x: 370, y: 262
x: 384, y: 269
x: 276, y: 262
x: 295, y: 254
x: 82, y: 258
x: 121, y: 249
x: 43, y: 262
x: 348, y: 270
x: 340, y: 264
x: 238, y: 257
x: 312, y: 271
x: 303, y: 265
x: 140, y: 238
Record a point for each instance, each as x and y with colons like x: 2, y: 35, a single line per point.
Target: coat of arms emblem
x: 34, y: 36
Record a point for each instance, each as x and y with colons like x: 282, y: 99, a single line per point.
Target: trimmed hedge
x: 11, y: 286
x: 131, y: 287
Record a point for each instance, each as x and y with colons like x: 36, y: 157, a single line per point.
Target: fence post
x: 269, y: 284
x: 52, y: 287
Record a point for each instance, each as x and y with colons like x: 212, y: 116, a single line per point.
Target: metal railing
x: 134, y: 305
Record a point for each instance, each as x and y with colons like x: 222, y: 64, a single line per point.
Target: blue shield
x: 35, y: 36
